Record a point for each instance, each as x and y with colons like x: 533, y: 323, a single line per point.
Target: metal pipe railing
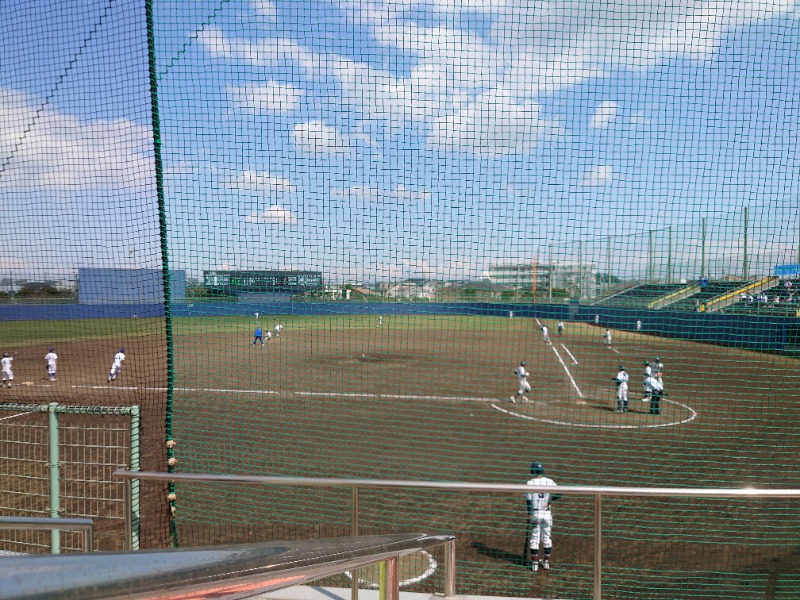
x: 598, y: 492
x: 51, y: 524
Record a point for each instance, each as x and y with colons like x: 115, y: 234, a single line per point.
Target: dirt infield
x: 428, y: 398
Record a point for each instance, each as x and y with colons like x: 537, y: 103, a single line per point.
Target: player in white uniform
x: 278, y: 329
x: 8, y: 374
x: 524, y: 386
x: 380, y: 320
x: 257, y: 316
x: 656, y: 393
x: 540, y: 517
x: 648, y: 371
x: 546, y: 334
x: 116, y: 367
x: 607, y: 338
x: 638, y: 325
x: 267, y: 336
x: 658, y: 369
x: 51, y: 358
x: 622, y: 389
x: 560, y: 327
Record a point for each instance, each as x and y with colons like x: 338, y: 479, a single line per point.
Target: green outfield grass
x: 53, y: 332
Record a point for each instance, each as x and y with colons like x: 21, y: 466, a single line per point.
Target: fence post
x: 354, y: 533
x: 134, y: 483
x: 598, y: 547
x: 55, y: 497
x: 450, y: 569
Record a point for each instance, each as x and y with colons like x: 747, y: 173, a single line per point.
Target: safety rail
x: 598, y: 492
x: 235, y: 571
x: 673, y: 297
x: 52, y: 524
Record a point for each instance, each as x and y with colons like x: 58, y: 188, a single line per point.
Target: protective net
x: 326, y: 234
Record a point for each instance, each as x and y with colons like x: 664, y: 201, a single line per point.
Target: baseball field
x: 427, y: 398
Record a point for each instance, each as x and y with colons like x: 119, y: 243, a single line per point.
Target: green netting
x: 412, y: 190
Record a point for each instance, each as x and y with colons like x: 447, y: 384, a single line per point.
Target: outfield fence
x: 57, y: 462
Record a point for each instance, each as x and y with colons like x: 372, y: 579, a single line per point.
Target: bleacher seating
x: 709, y: 292
x: 764, y: 303
x: 641, y: 295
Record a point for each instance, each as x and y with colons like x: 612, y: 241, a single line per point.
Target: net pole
x: 134, y: 485
x: 162, y: 221
x: 703, y: 250
x: 55, y: 497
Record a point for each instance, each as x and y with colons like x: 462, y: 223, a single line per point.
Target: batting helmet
x: 658, y: 359
x: 52, y: 349
x: 621, y: 368
x: 5, y: 354
x: 522, y: 364
x: 646, y: 363
x: 537, y: 468
x: 122, y: 349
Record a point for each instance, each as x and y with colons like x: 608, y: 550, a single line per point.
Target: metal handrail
x: 52, y: 524
x: 223, y: 571
x: 598, y: 492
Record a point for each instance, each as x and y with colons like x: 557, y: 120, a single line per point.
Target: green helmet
x: 537, y: 468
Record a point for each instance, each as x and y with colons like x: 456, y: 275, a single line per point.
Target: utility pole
x: 703, y: 251
x: 745, y: 265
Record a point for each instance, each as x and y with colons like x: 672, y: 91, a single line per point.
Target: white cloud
x: 317, y: 138
x: 269, y: 97
x: 265, y: 53
x: 258, y: 181
x: 494, y: 124
x: 45, y: 149
x: 598, y: 176
x: 606, y: 112
x: 399, y: 193
x: 265, y: 8
x: 274, y: 215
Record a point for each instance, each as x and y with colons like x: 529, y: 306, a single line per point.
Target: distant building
x: 129, y: 286
x: 257, y: 285
x: 578, y: 279
x: 416, y: 289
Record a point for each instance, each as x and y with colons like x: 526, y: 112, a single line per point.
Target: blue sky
x: 376, y: 140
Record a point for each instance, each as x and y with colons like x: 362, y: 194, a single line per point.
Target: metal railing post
x: 450, y: 569
x: 55, y: 484
x: 382, y: 580
x: 88, y: 540
x: 126, y: 502
x: 598, y: 547
x: 354, y: 532
x: 392, y: 579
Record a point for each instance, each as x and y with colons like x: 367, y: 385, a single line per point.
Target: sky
x: 376, y: 140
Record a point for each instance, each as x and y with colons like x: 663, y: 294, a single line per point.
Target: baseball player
x: 267, y: 336
x: 511, y: 314
x: 656, y: 393
x: 638, y: 325
x: 258, y: 336
x: 278, y: 329
x: 648, y: 371
x: 5, y: 363
x: 622, y: 389
x: 380, y: 320
x: 524, y: 386
x: 540, y: 517
x: 546, y: 334
x: 560, y: 327
x: 116, y: 367
x: 50, y: 358
x: 607, y: 338
x: 658, y: 369
x: 257, y: 316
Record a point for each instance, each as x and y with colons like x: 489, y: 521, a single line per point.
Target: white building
x: 579, y: 279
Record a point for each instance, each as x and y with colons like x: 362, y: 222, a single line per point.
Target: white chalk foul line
x: 615, y: 350
x: 692, y: 417
x: 287, y: 393
x: 575, y: 385
x: 570, y: 354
